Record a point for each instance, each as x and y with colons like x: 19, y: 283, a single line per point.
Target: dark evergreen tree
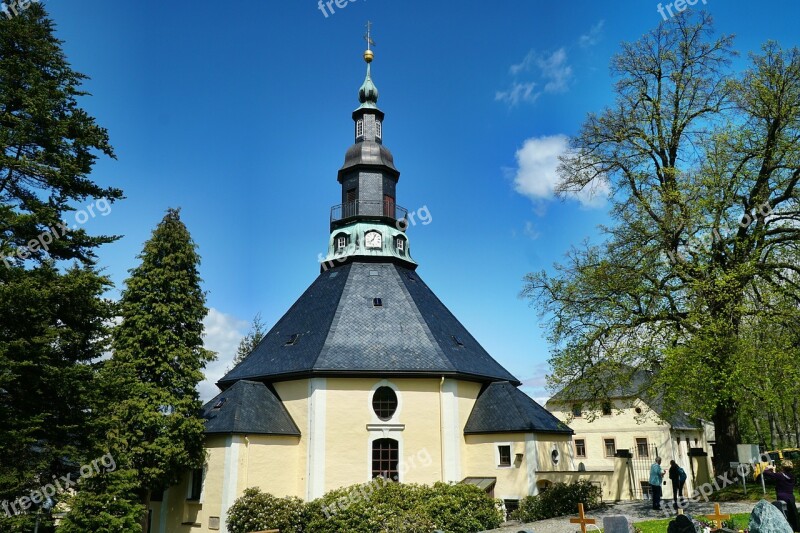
x: 151, y: 419
x: 53, y: 322
x: 250, y: 341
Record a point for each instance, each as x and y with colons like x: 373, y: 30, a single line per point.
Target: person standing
x: 784, y: 489
x: 656, y: 475
x: 678, y: 477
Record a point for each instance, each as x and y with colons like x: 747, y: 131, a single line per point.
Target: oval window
x: 554, y: 457
x: 384, y: 402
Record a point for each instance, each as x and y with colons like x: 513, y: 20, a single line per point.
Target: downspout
x: 246, y: 459
x: 441, y: 429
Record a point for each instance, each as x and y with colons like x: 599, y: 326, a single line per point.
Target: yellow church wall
x: 271, y: 463
x: 482, y: 461
x: 352, y: 426
x: 178, y: 514
x: 294, y: 395
x: 268, y: 462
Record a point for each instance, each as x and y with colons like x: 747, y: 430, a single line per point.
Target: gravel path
x: 635, y: 511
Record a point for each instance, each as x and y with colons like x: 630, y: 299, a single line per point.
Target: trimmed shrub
x: 256, y: 510
x: 376, y: 506
x: 462, y: 508
x: 558, y: 500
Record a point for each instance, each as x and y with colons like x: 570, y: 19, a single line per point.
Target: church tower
x: 368, y: 225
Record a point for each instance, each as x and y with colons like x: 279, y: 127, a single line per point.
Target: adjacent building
x: 633, y: 424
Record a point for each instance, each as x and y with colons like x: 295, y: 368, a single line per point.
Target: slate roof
x: 638, y: 385
x: 503, y: 408
x: 248, y: 407
x: 341, y: 332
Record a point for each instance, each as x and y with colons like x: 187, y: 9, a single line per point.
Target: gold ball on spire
x: 368, y: 55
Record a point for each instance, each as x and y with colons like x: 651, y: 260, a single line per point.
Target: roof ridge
x: 335, y: 317
x: 420, y: 317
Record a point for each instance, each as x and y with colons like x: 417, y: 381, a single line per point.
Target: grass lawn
x: 754, y: 493
x: 660, y: 526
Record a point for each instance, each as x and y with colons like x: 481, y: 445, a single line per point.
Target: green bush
x: 377, y: 506
x: 256, y: 510
x: 385, y: 506
x: 558, y: 500
x: 462, y: 508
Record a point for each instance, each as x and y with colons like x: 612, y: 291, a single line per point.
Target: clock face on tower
x: 373, y: 239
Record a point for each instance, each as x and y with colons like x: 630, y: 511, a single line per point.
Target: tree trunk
x: 726, y: 434
x: 760, y: 436
x: 796, y: 423
x: 771, y: 420
x: 145, y: 522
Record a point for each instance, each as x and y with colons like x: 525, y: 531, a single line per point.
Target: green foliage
x: 249, y: 342
x: 559, y: 499
x: 378, y: 506
x: 107, y: 503
x: 256, y: 511
x: 149, y: 407
x: 53, y: 314
x: 701, y: 255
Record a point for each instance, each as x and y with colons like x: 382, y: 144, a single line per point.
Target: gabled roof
x: 340, y: 331
x: 248, y: 407
x: 639, y: 385
x: 503, y: 408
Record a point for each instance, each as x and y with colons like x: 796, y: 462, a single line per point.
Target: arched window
x: 385, y: 456
x: 384, y: 402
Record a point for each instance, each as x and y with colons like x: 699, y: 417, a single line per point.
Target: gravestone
x: 616, y: 524
x: 681, y: 524
x: 765, y: 518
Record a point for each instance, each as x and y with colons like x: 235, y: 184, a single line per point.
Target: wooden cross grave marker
x: 717, y: 517
x: 582, y: 520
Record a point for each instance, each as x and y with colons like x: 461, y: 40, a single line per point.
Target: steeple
x: 368, y: 225
x: 368, y: 93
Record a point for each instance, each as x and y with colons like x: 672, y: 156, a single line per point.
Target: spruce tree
x: 53, y: 318
x: 151, y: 418
x: 251, y: 340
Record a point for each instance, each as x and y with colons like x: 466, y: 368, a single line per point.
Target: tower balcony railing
x: 373, y: 209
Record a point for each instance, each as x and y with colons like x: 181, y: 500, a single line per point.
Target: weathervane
x: 367, y: 37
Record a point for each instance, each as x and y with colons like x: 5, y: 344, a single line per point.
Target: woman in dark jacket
x: 784, y: 487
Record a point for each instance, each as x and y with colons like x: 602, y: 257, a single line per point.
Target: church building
x: 368, y: 374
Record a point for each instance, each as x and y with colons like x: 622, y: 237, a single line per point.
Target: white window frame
x: 378, y: 129
x: 510, y: 455
x: 341, y: 243
x: 360, y: 127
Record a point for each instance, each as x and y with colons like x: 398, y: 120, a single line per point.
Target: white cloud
x: 531, y: 231
x: 223, y: 333
x: 536, y: 175
x: 524, y: 65
x: 593, y: 37
x: 556, y: 71
x: 552, y: 72
x: 519, y: 92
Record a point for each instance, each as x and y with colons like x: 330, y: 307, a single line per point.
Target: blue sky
x: 239, y: 113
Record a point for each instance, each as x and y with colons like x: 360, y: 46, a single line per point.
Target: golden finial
x: 368, y: 55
